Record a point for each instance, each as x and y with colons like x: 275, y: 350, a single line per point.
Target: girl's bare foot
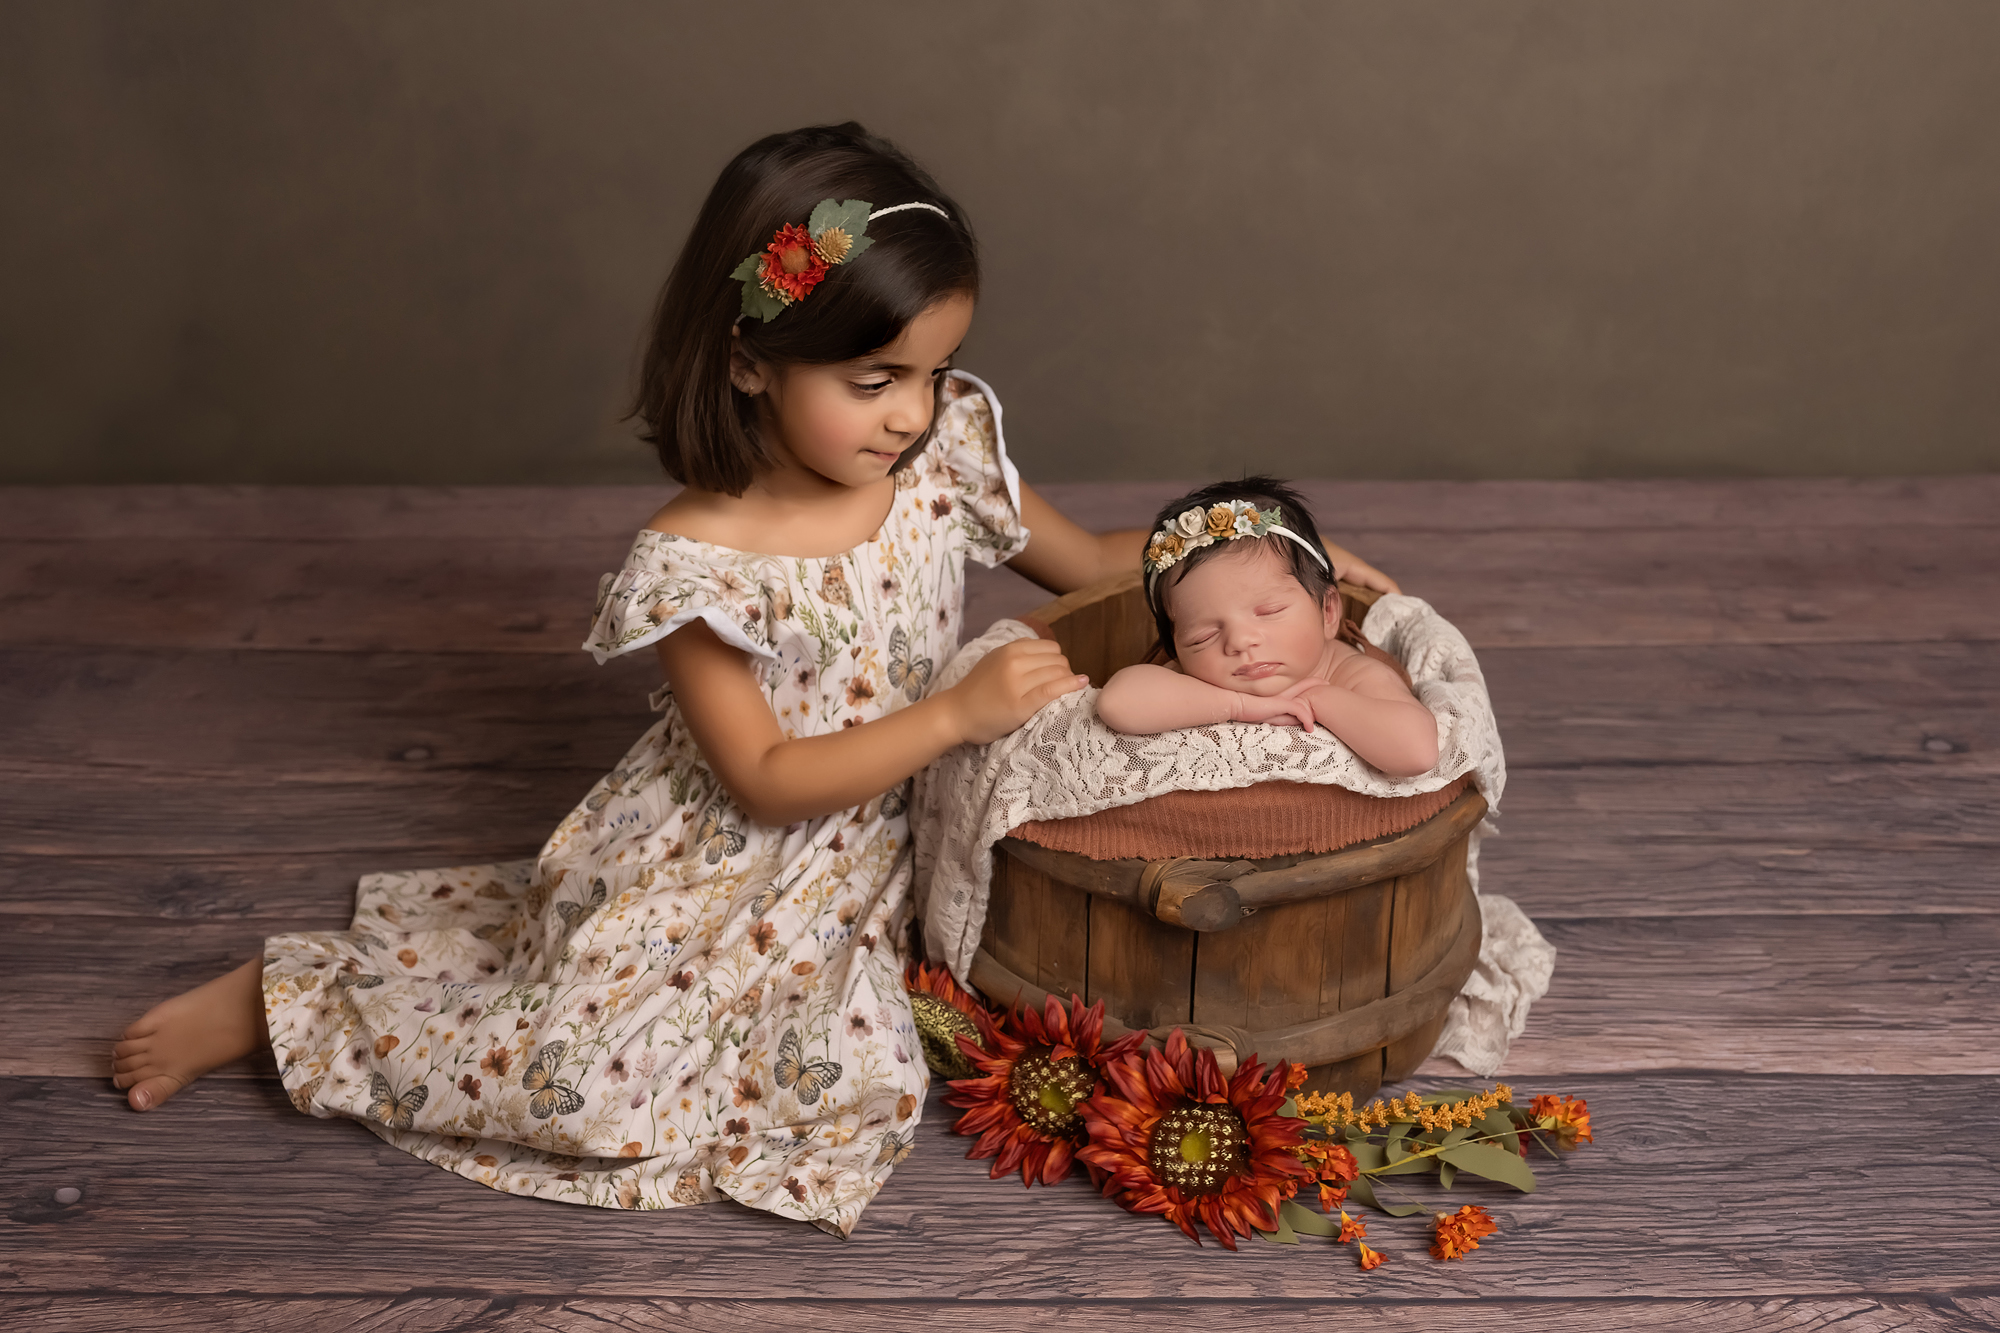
x: 179, y: 1040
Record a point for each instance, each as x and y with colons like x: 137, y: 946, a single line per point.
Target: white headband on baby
x: 1196, y: 528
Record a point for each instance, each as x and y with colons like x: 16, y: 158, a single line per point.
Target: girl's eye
x: 874, y: 388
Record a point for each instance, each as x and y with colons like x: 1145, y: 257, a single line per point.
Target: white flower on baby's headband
x: 1193, y: 529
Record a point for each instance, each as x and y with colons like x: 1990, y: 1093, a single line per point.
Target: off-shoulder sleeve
x: 668, y: 582
x: 972, y: 456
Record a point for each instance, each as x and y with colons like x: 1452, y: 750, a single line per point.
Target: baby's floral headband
x: 798, y: 257
x: 1196, y: 528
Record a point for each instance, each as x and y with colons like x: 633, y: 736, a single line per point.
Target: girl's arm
x: 1141, y: 700
x: 1062, y: 557
x: 1380, y: 720
x: 778, y: 781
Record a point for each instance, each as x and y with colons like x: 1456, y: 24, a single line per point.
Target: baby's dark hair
x: 1265, y: 493
x: 703, y: 427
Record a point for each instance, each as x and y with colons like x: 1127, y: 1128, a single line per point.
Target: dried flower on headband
x: 1196, y: 528
x: 798, y: 257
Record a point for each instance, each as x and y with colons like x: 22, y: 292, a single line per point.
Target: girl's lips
x: 1259, y: 670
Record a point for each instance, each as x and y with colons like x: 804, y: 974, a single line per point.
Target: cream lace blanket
x: 1065, y: 763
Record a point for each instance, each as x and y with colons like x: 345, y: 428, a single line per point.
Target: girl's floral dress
x: 671, y: 1003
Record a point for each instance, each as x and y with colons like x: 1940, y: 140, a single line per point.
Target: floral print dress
x: 673, y: 1004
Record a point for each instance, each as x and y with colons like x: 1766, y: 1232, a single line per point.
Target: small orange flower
x: 1371, y: 1259
x: 1458, y: 1233
x: 1568, y: 1118
x: 1351, y: 1228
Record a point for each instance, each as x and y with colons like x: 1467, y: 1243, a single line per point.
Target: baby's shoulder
x: 1367, y: 672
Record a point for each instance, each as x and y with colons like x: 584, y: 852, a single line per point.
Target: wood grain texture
x: 524, y: 594
x: 1038, y: 929
x: 1775, y: 994
x: 327, y: 713
x: 614, y: 513
x: 448, y: 1314
x: 1141, y: 968
x: 1675, y: 1198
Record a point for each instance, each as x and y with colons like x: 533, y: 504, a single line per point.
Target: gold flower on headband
x: 1193, y: 529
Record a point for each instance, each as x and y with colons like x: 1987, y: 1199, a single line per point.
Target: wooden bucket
x: 1343, y: 962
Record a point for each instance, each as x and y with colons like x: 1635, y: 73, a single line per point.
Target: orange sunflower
x: 1038, y: 1068
x: 1176, y: 1138
x: 944, y: 1012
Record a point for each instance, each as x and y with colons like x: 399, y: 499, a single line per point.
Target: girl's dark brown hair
x: 704, y: 428
x: 1265, y: 493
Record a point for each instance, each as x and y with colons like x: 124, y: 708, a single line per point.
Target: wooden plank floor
x: 1752, y: 731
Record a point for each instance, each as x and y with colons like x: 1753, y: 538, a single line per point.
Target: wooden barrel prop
x: 1343, y: 962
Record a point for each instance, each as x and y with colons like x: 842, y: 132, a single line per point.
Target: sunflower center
x: 937, y: 1024
x: 1045, y: 1092
x: 1197, y: 1147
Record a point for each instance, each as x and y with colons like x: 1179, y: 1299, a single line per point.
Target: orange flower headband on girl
x: 1196, y: 528
x: 798, y: 257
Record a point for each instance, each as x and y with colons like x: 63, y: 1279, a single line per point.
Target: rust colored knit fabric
x: 1269, y: 819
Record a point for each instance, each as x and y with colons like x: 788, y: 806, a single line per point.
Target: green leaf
x: 1394, y: 1141
x: 1284, y: 1235
x: 1401, y: 1164
x: 1306, y: 1222
x: 760, y: 304
x: 1363, y: 1192
x: 1446, y: 1174
x: 850, y: 215
x: 1443, y: 1095
x: 748, y: 270
x: 1369, y: 1156
x: 1483, y: 1159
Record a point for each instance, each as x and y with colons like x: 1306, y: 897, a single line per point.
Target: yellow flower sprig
x: 1409, y: 1109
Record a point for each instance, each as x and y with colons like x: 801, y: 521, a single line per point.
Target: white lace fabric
x: 1064, y: 763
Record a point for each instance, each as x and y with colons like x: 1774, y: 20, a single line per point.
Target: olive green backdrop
x: 404, y: 241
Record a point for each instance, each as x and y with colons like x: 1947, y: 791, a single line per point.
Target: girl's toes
x: 149, y: 1093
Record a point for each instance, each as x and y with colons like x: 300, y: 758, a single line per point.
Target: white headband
x: 884, y: 212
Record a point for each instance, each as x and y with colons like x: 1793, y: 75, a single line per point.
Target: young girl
x: 1244, y: 597
x: 694, y: 991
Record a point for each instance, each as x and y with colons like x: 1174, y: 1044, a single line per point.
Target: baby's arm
x: 1141, y: 700
x: 1368, y: 707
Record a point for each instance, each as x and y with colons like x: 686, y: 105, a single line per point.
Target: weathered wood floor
x: 1754, y: 800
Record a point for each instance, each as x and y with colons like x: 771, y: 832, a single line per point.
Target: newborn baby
x: 1250, y: 620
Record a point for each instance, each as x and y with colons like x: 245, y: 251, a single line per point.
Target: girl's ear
x: 750, y: 377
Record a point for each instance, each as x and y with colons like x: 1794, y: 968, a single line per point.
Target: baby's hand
x: 1008, y: 686
x: 1286, y: 710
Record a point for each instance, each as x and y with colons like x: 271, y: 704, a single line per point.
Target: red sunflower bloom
x: 1038, y: 1068
x: 1176, y: 1138
x: 791, y: 266
x: 944, y: 1013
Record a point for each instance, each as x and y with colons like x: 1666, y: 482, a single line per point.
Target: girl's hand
x: 1351, y: 568
x: 1007, y: 687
